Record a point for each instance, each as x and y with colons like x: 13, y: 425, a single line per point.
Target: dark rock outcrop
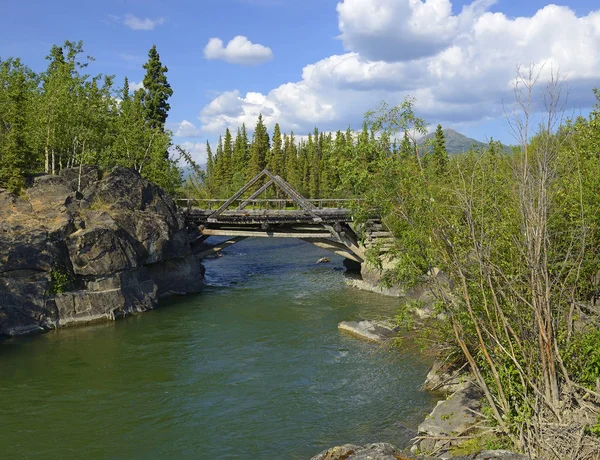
x: 76, y: 248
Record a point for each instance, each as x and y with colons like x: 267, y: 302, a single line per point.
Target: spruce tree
x: 440, y: 154
x: 157, y: 91
x: 326, y: 179
x: 218, y: 167
x: 259, y: 149
x: 406, y: 148
x: 338, y: 160
x: 210, y: 169
x: 227, y: 160
x: 275, y: 164
x: 125, y: 93
x: 291, y: 166
x: 303, y: 168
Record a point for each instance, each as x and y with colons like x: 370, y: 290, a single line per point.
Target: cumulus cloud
x: 135, y: 23
x: 196, y: 149
x: 395, y: 30
x: 459, y: 67
x: 134, y: 86
x: 239, y: 50
x: 187, y: 129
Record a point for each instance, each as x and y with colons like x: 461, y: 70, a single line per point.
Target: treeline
x: 317, y: 166
x: 64, y: 117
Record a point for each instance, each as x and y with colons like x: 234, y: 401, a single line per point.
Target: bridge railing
x: 266, y: 203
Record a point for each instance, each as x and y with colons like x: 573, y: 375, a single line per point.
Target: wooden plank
x: 348, y: 238
x: 263, y: 234
x: 254, y: 195
x: 380, y: 234
x: 340, y: 252
x: 240, y: 192
x: 292, y: 193
x: 219, y: 247
x: 329, y: 243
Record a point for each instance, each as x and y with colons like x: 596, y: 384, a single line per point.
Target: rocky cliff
x: 67, y: 256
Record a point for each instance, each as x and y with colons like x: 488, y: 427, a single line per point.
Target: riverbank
x: 450, y: 430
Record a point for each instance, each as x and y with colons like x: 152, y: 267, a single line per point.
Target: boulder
x: 376, y: 451
x: 53, y: 202
x: 371, y: 279
x: 78, y: 179
x: 101, y: 251
x: 444, y: 377
x: 451, y: 417
x: 374, y: 331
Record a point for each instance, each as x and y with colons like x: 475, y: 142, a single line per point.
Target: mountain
x: 456, y: 142
x: 187, y: 171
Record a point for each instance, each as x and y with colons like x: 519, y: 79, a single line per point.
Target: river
x: 254, y: 367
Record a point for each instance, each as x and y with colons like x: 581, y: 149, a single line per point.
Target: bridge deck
x: 249, y: 217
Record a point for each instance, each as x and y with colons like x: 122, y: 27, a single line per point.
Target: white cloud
x: 394, y: 30
x: 135, y: 23
x: 187, y: 129
x: 459, y: 68
x: 196, y: 149
x: 239, y: 50
x: 134, y: 86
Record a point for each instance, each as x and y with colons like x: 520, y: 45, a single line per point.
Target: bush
x: 582, y: 359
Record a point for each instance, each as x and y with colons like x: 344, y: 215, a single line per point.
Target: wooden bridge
x: 326, y: 223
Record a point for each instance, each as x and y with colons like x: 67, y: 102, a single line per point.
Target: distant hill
x: 456, y: 142
x: 187, y: 171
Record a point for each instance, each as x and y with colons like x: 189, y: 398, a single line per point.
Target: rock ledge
x: 374, y: 331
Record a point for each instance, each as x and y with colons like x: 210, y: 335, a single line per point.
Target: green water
x: 254, y: 367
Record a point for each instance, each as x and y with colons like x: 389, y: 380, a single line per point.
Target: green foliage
x: 18, y: 87
x: 594, y: 430
x: 440, y: 154
x: 479, y: 443
x: 156, y: 91
x: 582, y: 358
x: 65, y: 118
x: 259, y: 149
x: 60, y: 280
x: 517, y: 234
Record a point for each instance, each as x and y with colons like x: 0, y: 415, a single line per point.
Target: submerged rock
x: 323, y: 260
x: 375, y: 331
x: 76, y: 250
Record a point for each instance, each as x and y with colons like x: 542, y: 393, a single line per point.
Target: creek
x: 253, y: 367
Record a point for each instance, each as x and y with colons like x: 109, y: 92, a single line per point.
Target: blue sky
x: 320, y: 62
